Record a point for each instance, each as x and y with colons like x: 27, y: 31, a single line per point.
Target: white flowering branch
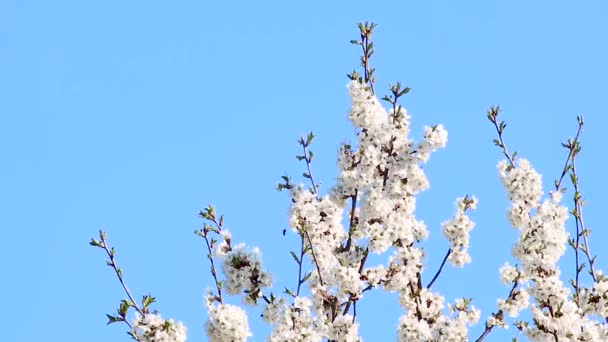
x: 209, y: 214
x: 111, y: 262
x: 378, y: 180
x: 147, y: 326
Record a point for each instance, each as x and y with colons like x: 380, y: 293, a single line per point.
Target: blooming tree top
x: 372, y: 210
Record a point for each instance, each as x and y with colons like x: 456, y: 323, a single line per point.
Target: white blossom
x: 226, y: 323
x: 508, y: 273
x: 153, y: 328
x: 457, y: 231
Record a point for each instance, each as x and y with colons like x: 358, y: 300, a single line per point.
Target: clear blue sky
x: 130, y: 116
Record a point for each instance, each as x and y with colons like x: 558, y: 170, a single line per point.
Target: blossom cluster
x: 153, y: 328
x: 244, y: 273
x: 372, y: 210
x: 226, y: 323
x: 541, y: 243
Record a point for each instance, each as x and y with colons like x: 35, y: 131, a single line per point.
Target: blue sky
x: 131, y: 116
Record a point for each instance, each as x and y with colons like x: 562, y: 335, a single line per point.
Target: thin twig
x: 312, y: 251
x: 300, y: 264
x: 500, y: 127
x: 112, y: 263
x: 308, y: 162
x: 351, y: 226
x: 445, y: 258
x: 203, y: 233
x: 499, y: 314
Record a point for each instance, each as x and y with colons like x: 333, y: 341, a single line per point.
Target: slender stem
x: 112, y: 263
x: 573, y: 147
x: 308, y: 161
x: 500, y: 314
x: 314, y: 258
x: 353, y: 207
x: 579, y: 221
x: 300, y: 264
x: 365, y: 40
x: 492, y: 116
x: 445, y: 258
x: 361, y: 266
x: 203, y: 233
x: 571, y: 154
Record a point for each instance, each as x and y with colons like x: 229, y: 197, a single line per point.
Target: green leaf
x: 309, y: 138
x: 306, y: 277
x: 147, y: 300
x: 573, y: 178
x: 289, y: 292
x: 581, y: 267
x: 295, y: 257
x: 113, y: 319
x: 123, y: 308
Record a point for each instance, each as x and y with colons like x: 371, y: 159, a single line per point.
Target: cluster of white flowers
x: 513, y: 305
x: 243, y: 272
x: 379, y: 177
x: 226, y: 323
x: 542, y: 241
x: 293, y: 323
x: 153, y: 328
x: 377, y: 185
x: 509, y: 274
x: 457, y: 231
x: 596, y: 298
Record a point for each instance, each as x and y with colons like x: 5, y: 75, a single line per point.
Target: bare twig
x: 204, y: 234
x: 445, y: 258
x: 112, y: 263
x: 500, y: 128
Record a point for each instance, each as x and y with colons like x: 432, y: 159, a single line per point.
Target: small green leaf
x: 309, y: 138
x: 123, y: 308
x: 295, y: 257
x: 147, y: 300
x: 289, y: 292
x: 581, y: 267
x: 113, y: 319
x: 306, y: 277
